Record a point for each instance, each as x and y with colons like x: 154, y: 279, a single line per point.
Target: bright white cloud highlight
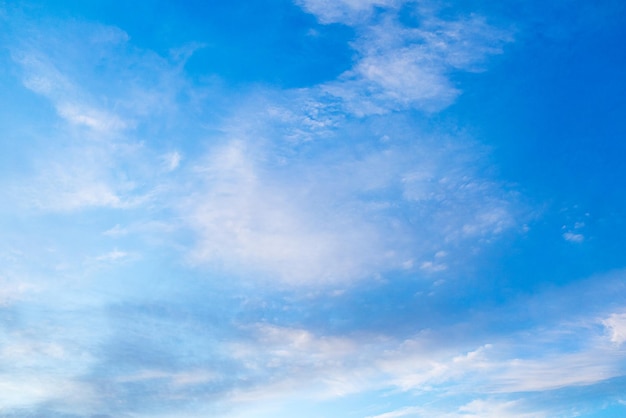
x: 616, y: 326
x: 247, y: 217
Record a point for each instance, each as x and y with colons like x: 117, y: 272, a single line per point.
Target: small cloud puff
x: 573, y: 234
x: 431, y: 267
x: 402, y: 67
x: 616, y: 326
x: 573, y: 237
x: 343, y: 11
x: 116, y: 231
x: 112, y: 256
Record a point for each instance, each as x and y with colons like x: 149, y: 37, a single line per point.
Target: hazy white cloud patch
x: 616, y: 326
x: 42, y: 75
x: 113, y: 256
x: 297, y: 191
x: 95, y: 119
x: 78, y: 178
x: 105, y: 91
x: 433, y: 267
x: 400, y: 67
x: 60, y: 65
x: 300, y: 348
x: 65, y: 192
x: 45, y: 361
x: 573, y: 237
x: 495, y: 368
x: 479, y: 408
x: 335, y: 220
x: 171, y: 160
x: 554, y: 372
x: 116, y: 231
x: 26, y: 391
x: 494, y: 374
x: 248, y: 217
x: 344, y: 11
x: 403, y: 412
x: 263, y: 203
x: 574, y: 233
x: 13, y: 290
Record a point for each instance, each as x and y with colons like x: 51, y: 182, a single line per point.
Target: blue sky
x: 356, y: 208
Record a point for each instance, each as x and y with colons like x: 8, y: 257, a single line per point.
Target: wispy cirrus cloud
x: 400, y: 67
x: 153, y: 357
x: 47, y: 73
x: 94, y: 158
x: 502, y: 373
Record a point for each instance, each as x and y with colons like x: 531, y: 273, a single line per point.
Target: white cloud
x: 336, y: 220
x: 403, y: 412
x: 573, y: 237
x: 13, y: 287
x: 433, y: 267
x: 172, y: 160
x: 261, y: 206
x: 343, y: 11
x: 75, y: 179
x: 68, y: 193
x: 92, y: 160
x: 498, y: 409
x: 402, y: 67
x: 335, y: 366
x: 113, y: 256
x: 506, y: 366
x: 248, y: 218
x: 298, y: 346
x: 616, y: 325
x: 99, y: 120
x: 43, y: 362
x: 116, y: 231
x: 42, y: 76
x: 413, y: 365
x: 479, y: 408
x: 554, y: 372
x: 26, y: 391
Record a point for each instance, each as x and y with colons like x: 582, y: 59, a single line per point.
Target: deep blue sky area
x: 369, y: 209
x: 267, y: 42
